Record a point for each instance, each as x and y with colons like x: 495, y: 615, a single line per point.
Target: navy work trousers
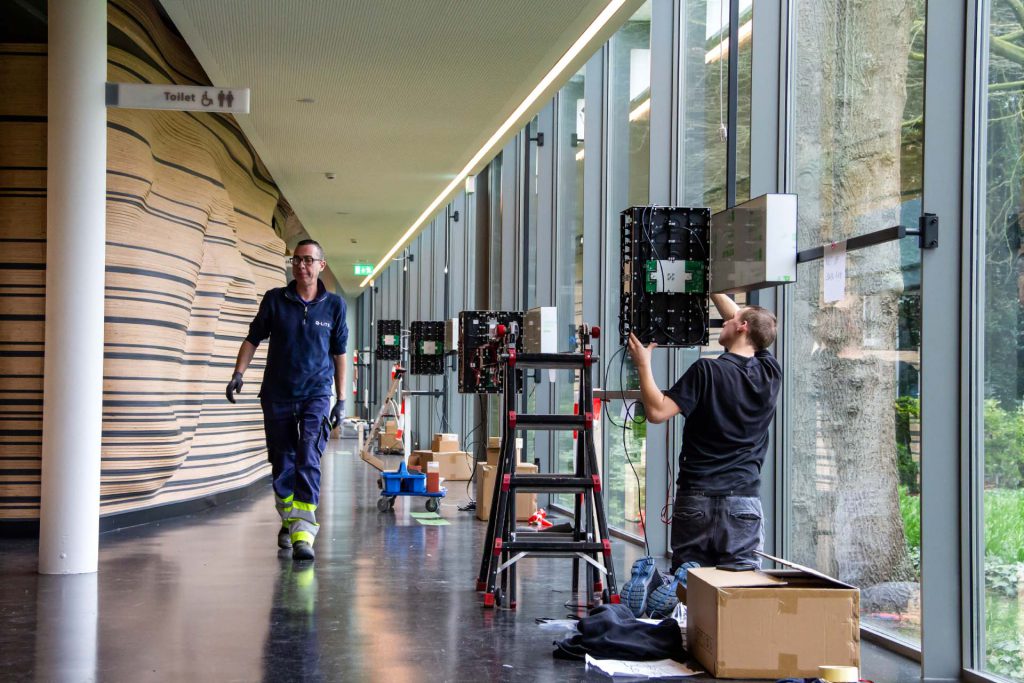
x: 297, y: 433
x: 714, y: 530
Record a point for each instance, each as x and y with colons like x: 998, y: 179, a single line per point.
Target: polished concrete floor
x: 209, y: 597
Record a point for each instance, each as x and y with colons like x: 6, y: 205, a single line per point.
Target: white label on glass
x: 835, y: 271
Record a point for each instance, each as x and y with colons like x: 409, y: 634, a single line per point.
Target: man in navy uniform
x: 308, y: 334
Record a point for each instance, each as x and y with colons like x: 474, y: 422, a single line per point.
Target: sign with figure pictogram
x: 178, y: 97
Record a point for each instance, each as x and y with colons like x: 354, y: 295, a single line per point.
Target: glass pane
x: 629, y: 164
x: 743, y: 99
x: 853, y: 376
x: 568, y: 255
x: 1002, y: 413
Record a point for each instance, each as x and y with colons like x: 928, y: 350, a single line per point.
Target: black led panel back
x: 389, y: 340
x: 426, y: 348
x: 480, y: 371
x: 665, y: 275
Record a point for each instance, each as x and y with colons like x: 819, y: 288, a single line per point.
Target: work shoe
x: 302, y: 550
x: 644, y: 579
x: 284, y: 538
x: 663, y: 599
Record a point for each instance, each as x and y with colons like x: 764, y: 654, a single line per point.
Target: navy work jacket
x: 303, y: 338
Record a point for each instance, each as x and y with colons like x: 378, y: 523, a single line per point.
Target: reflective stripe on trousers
x: 302, y: 524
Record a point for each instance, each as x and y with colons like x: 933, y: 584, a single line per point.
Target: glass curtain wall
x: 629, y: 164
x: 569, y: 162
x: 1001, y: 400
x: 853, y: 363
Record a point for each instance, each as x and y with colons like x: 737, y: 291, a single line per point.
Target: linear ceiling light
x: 560, y: 66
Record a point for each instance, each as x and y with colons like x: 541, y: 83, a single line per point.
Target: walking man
x: 308, y: 334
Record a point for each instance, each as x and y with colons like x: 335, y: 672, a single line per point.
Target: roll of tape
x: 839, y: 674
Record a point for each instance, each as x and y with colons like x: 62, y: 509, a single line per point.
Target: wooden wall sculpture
x: 190, y: 250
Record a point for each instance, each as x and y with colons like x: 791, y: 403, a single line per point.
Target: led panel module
x: 426, y: 348
x: 665, y: 275
x: 480, y: 365
x: 389, y: 339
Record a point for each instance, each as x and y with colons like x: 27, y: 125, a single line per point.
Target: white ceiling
x: 406, y: 91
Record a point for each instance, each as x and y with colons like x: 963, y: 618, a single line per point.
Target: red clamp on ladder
x: 506, y: 483
x: 597, y: 482
x: 607, y: 547
x: 511, y: 419
x: 588, y: 420
x: 512, y: 358
x: 587, y: 357
x: 497, y: 546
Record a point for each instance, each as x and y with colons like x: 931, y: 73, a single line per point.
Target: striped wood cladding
x: 190, y: 249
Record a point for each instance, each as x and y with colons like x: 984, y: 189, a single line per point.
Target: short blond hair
x: 762, y: 325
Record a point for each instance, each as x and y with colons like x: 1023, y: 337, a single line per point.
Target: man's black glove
x: 234, y: 386
x: 337, y: 413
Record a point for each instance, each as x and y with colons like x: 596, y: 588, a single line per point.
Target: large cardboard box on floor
x: 775, y: 623
x: 444, y: 443
x: 526, y: 503
x: 456, y: 466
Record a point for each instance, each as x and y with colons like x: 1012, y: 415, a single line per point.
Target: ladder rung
x: 553, y: 361
x: 551, y: 482
x: 539, y: 546
x: 550, y: 422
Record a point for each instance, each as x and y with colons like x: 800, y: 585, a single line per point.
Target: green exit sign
x: 362, y: 269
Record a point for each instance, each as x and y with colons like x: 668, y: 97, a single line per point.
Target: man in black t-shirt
x: 728, y: 403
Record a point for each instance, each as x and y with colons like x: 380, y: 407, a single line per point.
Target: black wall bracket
x: 927, y: 232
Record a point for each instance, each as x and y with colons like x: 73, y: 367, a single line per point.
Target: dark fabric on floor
x: 612, y: 632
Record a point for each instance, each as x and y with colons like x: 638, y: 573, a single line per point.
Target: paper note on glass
x: 835, y: 271
x: 661, y: 668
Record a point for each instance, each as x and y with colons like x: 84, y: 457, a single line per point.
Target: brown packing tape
x: 788, y: 663
x: 789, y: 603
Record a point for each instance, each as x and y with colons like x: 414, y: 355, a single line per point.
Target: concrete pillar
x: 75, y: 255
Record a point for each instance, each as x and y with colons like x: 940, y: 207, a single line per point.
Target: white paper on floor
x: 661, y: 668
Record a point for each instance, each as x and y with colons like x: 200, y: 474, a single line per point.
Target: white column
x: 75, y: 231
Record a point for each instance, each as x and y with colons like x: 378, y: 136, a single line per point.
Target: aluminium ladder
x: 588, y: 540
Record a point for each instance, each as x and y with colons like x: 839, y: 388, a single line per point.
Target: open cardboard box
x: 772, y: 623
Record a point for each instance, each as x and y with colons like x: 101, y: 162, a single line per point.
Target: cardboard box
x: 416, y: 459
x: 445, y: 443
x: 494, y: 451
x: 526, y: 503
x: 776, y: 623
x: 456, y: 466
x: 389, y: 441
x: 390, y: 427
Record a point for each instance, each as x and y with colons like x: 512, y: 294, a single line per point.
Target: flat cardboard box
x: 456, y: 466
x: 391, y: 442
x: 494, y: 442
x: 775, y: 623
x: 526, y: 503
x: 445, y: 443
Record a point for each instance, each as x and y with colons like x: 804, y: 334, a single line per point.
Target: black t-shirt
x: 728, y: 403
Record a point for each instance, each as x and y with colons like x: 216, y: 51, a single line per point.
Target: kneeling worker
x: 308, y: 334
x: 728, y: 403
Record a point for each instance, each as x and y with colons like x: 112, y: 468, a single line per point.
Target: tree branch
x: 1018, y: 9
x: 1007, y: 49
x: 1009, y: 85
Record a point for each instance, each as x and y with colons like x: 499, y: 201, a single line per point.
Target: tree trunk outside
x: 849, y: 100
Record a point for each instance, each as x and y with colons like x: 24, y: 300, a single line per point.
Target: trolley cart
x: 406, y: 483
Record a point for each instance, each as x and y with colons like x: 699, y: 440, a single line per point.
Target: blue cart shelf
x: 406, y: 483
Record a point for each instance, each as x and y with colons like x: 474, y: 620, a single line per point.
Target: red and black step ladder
x: 588, y: 541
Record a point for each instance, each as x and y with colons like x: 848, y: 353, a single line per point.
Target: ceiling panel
x: 405, y: 92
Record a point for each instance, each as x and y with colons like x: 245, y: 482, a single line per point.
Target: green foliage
x: 1004, y: 446
x: 910, y: 509
x: 908, y: 411
x: 1004, y: 525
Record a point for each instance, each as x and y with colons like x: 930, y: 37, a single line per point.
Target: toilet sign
x: 178, y: 97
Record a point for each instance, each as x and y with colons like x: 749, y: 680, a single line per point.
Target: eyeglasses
x: 307, y: 260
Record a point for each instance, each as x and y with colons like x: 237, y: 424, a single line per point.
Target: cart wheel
x: 433, y: 505
x: 382, y: 504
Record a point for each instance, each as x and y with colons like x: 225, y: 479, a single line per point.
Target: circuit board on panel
x: 665, y: 275
x: 389, y: 340
x: 426, y: 347
x: 480, y: 369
